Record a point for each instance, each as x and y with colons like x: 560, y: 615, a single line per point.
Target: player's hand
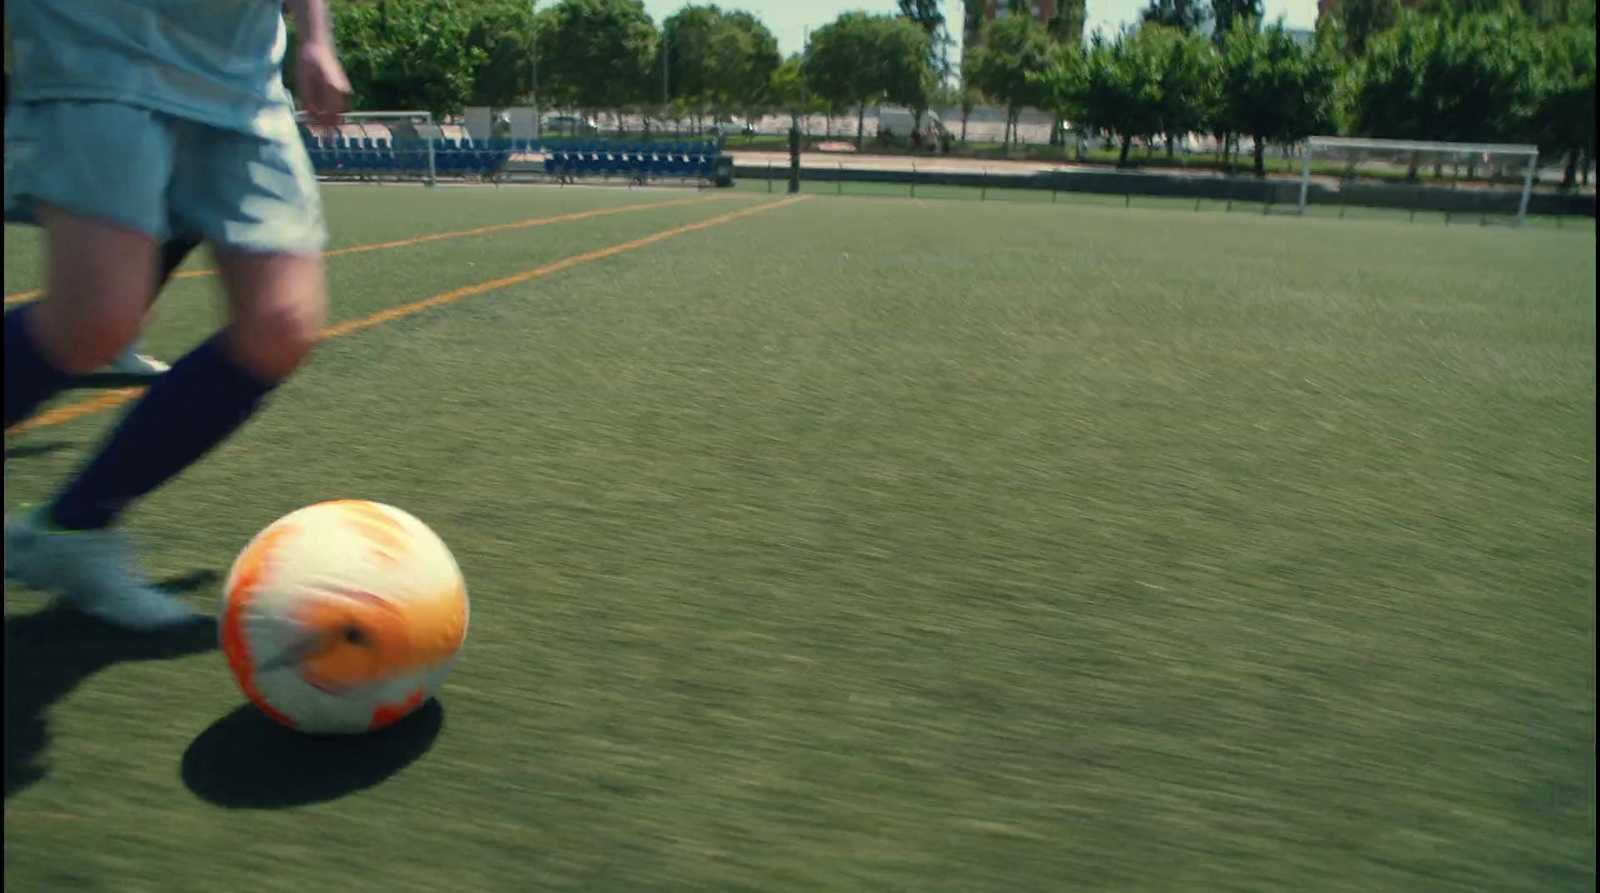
x: 320, y: 81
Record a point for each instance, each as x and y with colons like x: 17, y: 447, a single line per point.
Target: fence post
x: 913, y: 178
x: 983, y: 192
x: 838, y: 184
x: 769, y: 178
x: 1527, y: 188
x: 432, y: 175
x: 1305, y: 179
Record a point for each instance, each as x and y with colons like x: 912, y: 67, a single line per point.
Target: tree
x: 1012, y: 48
x: 1485, y: 79
x: 596, y: 54
x: 930, y: 18
x: 971, y: 24
x: 1066, y: 26
x: 746, y: 55
x: 1062, y: 83
x: 413, y: 55
x: 1544, y: 13
x: 503, y: 31
x: 1475, y: 79
x: 858, y: 59
x: 1111, y: 88
x: 1226, y: 13
x: 1564, y: 115
x: 926, y: 15
x: 1185, y: 15
x: 718, y: 61
x: 1362, y: 20
x: 910, y: 77
x: 788, y: 91
x: 686, y: 38
x: 968, y: 95
x: 1226, y: 16
x: 1123, y: 88
x: 1273, y: 90
x: 1187, y: 68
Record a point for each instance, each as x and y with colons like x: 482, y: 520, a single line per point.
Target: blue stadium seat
x: 661, y: 165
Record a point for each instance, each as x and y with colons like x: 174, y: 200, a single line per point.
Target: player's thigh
x: 94, y: 175
x: 255, y: 198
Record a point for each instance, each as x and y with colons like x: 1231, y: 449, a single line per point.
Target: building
x: 1041, y: 10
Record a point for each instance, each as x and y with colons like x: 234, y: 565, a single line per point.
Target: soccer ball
x: 343, y: 617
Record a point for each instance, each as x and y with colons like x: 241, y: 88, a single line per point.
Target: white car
x: 571, y: 124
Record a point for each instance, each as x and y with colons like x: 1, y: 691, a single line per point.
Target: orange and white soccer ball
x: 343, y: 617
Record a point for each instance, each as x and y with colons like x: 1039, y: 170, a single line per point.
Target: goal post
x: 1405, y: 161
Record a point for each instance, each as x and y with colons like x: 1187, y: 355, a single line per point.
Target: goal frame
x: 1530, y: 152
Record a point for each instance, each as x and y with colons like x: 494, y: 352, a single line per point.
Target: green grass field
x: 868, y: 545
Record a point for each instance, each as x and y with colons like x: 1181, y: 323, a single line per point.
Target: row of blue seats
x: 358, y: 156
x: 339, y: 143
x: 636, y: 165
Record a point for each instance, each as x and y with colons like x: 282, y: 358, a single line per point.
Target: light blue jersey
x: 214, y: 62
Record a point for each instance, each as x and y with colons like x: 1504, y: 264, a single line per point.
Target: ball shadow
x: 48, y: 653
x: 247, y: 761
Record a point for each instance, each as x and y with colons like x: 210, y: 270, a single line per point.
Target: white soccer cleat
x: 131, y: 362
x: 92, y: 570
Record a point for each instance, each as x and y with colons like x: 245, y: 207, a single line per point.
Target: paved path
x: 945, y: 164
x: 901, y: 162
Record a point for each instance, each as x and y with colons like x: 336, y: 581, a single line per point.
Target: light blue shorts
x: 159, y: 174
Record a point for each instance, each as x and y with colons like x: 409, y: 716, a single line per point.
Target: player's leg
x: 103, y: 209
x: 256, y: 201
x: 93, y: 306
x: 131, y: 362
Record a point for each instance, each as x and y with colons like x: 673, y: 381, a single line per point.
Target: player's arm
x: 319, y: 78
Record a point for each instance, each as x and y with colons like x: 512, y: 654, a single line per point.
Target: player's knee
x: 80, y: 343
x: 273, y: 341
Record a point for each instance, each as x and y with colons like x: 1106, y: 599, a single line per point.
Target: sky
x: 789, y: 19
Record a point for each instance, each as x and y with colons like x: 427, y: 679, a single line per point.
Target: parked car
x: 571, y: 124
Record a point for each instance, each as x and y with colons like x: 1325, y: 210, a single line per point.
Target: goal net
x: 1482, y: 180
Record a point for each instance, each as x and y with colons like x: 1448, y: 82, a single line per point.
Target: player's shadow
x: 99, y: 381
x: 247, y: 761
x: 32, y: 450
x: 50, y: 652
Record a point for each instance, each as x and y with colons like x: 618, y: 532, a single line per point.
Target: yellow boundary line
x: 435, y: 237
x: 114, y: 398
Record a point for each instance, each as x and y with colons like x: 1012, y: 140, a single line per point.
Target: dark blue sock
x: 30, y: 378
x: 204, y: 398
